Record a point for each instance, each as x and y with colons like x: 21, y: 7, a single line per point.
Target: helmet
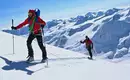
x: 86, y: 37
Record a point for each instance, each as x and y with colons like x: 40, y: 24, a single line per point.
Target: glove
x: 42, y: 26
x: 14, y: 28
x: 81, y: 42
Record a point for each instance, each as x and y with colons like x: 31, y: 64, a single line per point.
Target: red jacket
x: 87, y: 42
x: 37, y: 26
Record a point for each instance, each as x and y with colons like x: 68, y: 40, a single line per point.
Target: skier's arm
x: 22, y: 24
x: 42, y: 23
x: 82, y: 41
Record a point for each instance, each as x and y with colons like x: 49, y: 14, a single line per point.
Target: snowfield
x: 62, y: 64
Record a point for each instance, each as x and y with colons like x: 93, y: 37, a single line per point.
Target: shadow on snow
x: 22, y: 65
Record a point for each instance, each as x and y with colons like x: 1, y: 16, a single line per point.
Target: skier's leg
x: 43, y: 49
x: 29, y: 46
x: 90, y: 52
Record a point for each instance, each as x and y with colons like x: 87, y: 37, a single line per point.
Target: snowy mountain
x: 109, y: 31
x: 62, y: 64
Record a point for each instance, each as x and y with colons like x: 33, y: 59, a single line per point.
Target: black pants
x: 89, y: 50
x: 40, y: 43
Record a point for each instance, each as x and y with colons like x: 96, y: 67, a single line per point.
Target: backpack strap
x: 32, y: 26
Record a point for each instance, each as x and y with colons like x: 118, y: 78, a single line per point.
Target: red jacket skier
x: 35, y: 24
x: 89, y: 46
x: 29, y: 20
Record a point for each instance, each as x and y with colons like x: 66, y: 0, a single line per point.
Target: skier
x: 89, y: 46
x: 35, y: 25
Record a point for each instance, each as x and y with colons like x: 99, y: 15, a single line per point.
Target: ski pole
x: 43, y: 37
x: 44, y: 45
x: 13, y: 35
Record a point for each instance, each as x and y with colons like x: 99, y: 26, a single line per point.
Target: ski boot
x: 30, y: 59
x: 90, y: 58
x: 44, y: 60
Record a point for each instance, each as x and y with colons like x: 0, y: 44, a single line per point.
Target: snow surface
x: 63, y: 64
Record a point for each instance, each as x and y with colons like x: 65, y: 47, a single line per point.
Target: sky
x: 52, y: 9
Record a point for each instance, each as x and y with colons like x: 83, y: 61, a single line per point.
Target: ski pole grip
x: 12, y: 22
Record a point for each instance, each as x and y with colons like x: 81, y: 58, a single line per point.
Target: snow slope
x: 63, y: 64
